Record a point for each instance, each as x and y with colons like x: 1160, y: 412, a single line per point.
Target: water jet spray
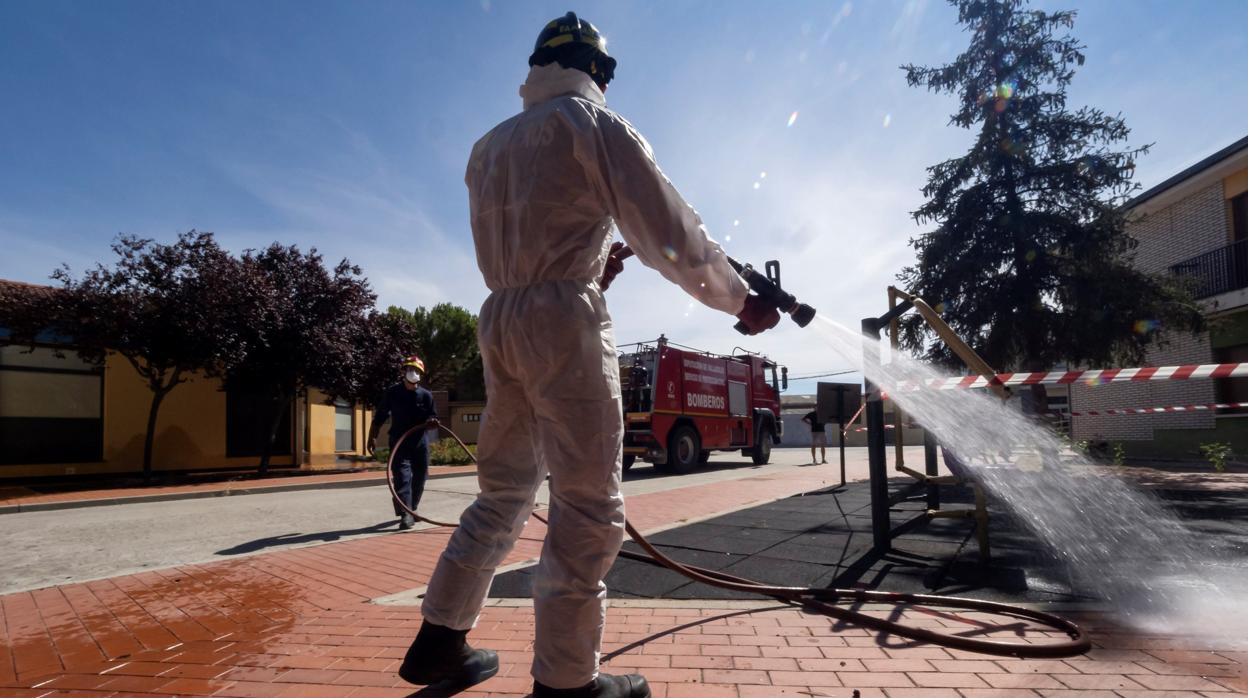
x: 881, y: 501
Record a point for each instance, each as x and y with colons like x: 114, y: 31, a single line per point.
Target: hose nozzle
x: 767, y: 286
x: 803, y: 314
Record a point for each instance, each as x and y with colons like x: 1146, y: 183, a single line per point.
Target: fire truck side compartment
x: 728, y: 400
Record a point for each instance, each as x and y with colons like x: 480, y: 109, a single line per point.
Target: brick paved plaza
x: 304, y: 622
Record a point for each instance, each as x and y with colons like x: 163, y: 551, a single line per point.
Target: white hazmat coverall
x: 544, y: 187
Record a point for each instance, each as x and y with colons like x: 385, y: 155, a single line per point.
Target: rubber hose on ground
x: 816, y: 599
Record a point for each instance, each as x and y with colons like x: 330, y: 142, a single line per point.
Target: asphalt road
x: 46, y: 548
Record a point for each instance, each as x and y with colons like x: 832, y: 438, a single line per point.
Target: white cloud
x: 407, y: 256
x: 909, y: 22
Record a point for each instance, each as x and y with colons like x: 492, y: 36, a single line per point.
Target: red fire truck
x: 680, y: 404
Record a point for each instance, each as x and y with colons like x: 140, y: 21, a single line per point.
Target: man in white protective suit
x: 544, y: 188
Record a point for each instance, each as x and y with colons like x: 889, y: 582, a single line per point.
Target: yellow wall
x: 190, y: 427
x: 320, y: 415
x: 190, y: 430
x: 1235, y: 185
x: 468, y: 432
x: 321, y: 423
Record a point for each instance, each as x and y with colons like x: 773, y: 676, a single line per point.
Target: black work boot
x: 605, y: 686
x: 440, y: 655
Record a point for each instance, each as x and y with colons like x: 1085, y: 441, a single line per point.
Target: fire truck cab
x: 680, y: 404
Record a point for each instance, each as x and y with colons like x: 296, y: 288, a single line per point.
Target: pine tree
x: 1029, y: 259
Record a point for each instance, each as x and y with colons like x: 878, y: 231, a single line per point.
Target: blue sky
x: 346, y: 127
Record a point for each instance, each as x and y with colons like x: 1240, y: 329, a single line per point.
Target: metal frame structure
x: 882, y: 500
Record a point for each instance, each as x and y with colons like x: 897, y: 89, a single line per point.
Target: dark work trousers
x: 410, y: 468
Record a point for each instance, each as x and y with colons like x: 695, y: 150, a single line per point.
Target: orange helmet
x: 414, y: 361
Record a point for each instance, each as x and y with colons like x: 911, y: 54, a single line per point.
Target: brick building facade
x: 1193, y: 224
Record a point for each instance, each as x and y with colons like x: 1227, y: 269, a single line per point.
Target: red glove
x: 615, y: 264
x: 757, y: 315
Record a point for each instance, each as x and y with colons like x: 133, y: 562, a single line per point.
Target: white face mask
x: 411, y: 376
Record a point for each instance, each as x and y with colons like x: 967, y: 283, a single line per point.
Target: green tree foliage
x: 1028, y: 258
x: 384, y: 339
x: 445, y: 337
x: 26, y: 312
x: 309, y: 333
x: 470, y: 383
x: 173, y: 311
x: 270, y: 324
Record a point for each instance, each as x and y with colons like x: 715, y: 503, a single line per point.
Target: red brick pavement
x: 300, y: 623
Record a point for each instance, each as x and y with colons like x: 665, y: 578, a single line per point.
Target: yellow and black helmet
x: 413, y: 361
x: 577, y: 44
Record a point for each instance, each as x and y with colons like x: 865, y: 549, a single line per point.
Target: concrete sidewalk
x: 303, y: 622
x: 16, y: 498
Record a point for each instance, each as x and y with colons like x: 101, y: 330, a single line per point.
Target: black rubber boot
x: 605, y: 686
x: 440, y: 655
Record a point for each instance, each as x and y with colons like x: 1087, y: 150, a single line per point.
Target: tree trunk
x: 158, y: 396
x: 281, y: 402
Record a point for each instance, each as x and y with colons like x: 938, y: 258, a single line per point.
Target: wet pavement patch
x: 823, y: 539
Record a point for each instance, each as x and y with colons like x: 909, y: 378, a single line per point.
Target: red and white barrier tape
x: 1089, y: 377
x: 1160, y: 410
x: 1169, y: 409
x: 861, y: 407
x: 1092, y: 377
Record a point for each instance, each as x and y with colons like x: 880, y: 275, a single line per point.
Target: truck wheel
x: 761, y: 453
x: 683, y: 449
x: 628, y: 461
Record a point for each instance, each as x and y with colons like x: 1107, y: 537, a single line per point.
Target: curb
x: 203, y: 494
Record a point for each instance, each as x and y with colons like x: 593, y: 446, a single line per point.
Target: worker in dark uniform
x: 639, y: 382
x: 406, y: 405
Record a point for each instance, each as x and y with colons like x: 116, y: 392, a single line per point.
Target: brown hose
x: 813, y: 598
x: 818, y: 599
x: 390, y: 473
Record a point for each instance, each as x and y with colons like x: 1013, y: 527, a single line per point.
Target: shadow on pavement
x: 645, y: 471
x: 436, y: 692
x: 691, y: 624
x: 296, y: 538
x: 823, y: 539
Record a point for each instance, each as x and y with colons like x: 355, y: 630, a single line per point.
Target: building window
x: 51, y: 408
x: 344, y: 426
x: 1227, y: 390
x: 1239, y: 217
x: 248, y: 411
x: 471, y: 417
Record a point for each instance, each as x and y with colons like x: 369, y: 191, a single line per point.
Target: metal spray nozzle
x: 767, y: 286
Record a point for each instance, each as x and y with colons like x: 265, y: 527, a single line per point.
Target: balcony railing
x: 1224, y: 269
